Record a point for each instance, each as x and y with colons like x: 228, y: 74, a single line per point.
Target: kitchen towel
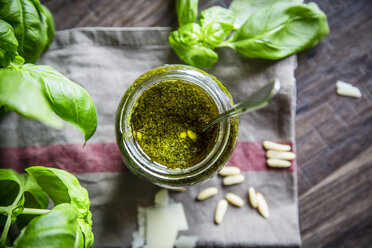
x: 106, y: 61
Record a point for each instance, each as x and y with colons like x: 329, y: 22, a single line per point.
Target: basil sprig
x: 265, y: 29
x: 23, y: 202
x: 36, y: 91
x: 32, y: 25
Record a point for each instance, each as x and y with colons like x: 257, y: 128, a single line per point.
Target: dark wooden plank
x: 117, y: 13
x: 333, y: 133
x: 332, y: 211
x: 335, y: 196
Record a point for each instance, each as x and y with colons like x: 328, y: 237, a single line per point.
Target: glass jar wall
x: 158, y: 126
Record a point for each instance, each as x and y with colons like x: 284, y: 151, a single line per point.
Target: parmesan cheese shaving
x: 158, y: 225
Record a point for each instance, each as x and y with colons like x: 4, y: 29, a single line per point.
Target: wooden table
x: 334, y: 133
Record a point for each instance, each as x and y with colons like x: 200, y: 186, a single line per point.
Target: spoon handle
x: 257, y: 100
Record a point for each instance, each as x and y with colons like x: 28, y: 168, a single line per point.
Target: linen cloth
x: 106, y: 61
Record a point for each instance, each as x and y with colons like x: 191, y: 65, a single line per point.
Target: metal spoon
x: 257, y: 100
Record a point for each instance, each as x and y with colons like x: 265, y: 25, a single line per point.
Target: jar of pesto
x: 159, y: 122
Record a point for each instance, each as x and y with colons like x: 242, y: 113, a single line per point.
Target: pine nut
x: 280, y: 155
x: 179, y: 189
x: 278, y: 163
x: 183, y: 135
x: 230, y: 180
x: 206, y: 193
x: 269, y: 145
x: 262, y: 207
x: 229, y: 171
x: 220, y: 211
x: 234, y: 199
x: 346, y: 89
x: 192, y: 135
x: 252, y: 197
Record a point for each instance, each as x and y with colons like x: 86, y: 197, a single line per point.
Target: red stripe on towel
x: 105, y: 157
x: 251, y: 156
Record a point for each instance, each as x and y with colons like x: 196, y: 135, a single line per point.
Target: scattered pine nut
x: 262, y: 207
x: 252, y: 197
x: 229, y: 171
x: 234, y: 199
x: 278, y: 163
x: 269, y: 145
x: 230, y: 180
x: 346, y: 89
x: 139, y: 136
x: 220, y: 211
x: 206, y: 193
x: 280, y: 155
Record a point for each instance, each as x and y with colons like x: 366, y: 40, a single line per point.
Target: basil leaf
x: 245, y: 8
x: 20, y: 95
x: 63, y: 187
x: 68, y: 100
x: 188, y: 45
x: 34, y: 197
x: 8, y: 44
x: 11, y: 184
x: 187, y: 10
x: 85, y: 225
x: 59, y: 228
x: 280, y: 30
x: 50, y: 26
x: 29, y: 24
x: 216, y: 24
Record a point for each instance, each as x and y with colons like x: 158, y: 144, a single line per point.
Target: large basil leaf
x: 17, y: 93
x: 68, y: 100
x: 63, y: 187
x: 8, y: 44
x: 29, y: 24
x: 280, y: 30
x: 59, y: 229
x: 245, y: 8
x: 216, y: 24
x: 188, y: 44
x: 187, y: 10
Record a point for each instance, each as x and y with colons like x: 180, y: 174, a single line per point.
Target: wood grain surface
x: 334, y: 133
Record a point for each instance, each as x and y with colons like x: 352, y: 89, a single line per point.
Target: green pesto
x: 172, y: 182
x: 167, y: 123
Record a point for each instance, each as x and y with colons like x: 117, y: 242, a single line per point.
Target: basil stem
x: 9, y: 219
x: 35, y: 211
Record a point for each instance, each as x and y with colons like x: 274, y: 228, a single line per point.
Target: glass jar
x: 142, y: 165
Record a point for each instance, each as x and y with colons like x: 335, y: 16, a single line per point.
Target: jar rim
x: 189, y: 75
